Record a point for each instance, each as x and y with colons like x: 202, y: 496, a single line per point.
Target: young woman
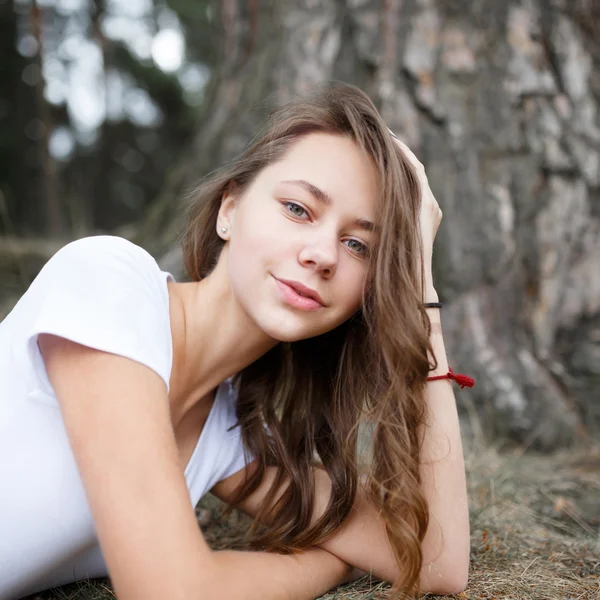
x: 308, y: 321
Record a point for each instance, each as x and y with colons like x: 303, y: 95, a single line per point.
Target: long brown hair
x: 315, y: 395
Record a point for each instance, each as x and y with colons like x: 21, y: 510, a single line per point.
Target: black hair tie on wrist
x: 432, y: 305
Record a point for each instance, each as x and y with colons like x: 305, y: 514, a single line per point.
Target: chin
x: 288, y: 335
x: 284, y: 325
x: 291, y: 333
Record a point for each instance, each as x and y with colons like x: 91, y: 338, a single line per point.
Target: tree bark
x: 500, y: 101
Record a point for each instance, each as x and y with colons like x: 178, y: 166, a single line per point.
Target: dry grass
x: 535, y: 531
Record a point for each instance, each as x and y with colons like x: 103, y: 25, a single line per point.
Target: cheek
x: 255, y: 226
x: 251, y: 251
x: 262, y: 238
x: 252, y: 245
x: 357, y: 293
x: 349, y: 288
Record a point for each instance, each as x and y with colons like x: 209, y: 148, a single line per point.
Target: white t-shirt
x: 106, y: 293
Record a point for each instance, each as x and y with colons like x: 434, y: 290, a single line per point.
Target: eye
x: 357, y: 247
x: 295, y: 209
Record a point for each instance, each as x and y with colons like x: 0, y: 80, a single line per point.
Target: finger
x: 408, y: 152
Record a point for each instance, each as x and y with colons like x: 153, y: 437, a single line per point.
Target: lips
x: 303, y: 290
x: 298, y: 296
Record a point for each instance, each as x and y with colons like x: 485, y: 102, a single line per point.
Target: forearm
x: 265, y: 576
x: 446, y: 543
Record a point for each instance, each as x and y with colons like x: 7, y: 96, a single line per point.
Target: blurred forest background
x: 111, y: 110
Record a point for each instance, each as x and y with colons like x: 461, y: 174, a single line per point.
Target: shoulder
x: 102, y: 249
x: 109, y: 294
x: 107, y: 243
x: 103, y: 268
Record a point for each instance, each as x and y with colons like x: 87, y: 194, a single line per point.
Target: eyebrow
x: 326, y: 199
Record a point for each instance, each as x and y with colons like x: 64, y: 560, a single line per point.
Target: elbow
x: 437, y: 580
x: 456, y: 583
x: 445, y: 586
x: 452, y: 578
x: 448, y: 573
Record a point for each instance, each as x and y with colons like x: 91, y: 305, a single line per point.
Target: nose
x: 321, y: 254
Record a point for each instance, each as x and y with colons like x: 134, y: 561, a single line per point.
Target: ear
x: 226, y: 213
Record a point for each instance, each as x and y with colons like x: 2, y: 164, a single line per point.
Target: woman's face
x: 299, y: 237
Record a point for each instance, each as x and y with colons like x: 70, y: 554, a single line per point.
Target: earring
x: 223, y: 229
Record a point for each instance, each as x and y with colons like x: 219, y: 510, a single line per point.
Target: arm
x: 116, y: 413
x: 442, y: 463
x: 266, y: 576
x: 447, y: 540
x: 362, y: 540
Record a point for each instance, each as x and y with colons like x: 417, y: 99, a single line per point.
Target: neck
x: 213, y: 339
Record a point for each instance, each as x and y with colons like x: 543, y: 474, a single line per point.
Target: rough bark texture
x: 500, y: 101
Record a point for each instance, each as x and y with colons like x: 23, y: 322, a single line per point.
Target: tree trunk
x: 500, y: 101
x: 21, y: 155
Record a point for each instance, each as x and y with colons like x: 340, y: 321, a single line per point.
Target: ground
x: 535, y: 530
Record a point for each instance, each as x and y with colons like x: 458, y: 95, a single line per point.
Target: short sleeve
x: 106, y: 293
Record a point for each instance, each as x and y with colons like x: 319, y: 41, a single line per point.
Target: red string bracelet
x: 462, y: 380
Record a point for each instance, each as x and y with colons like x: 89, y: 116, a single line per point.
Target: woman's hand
x: 430, y: 218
